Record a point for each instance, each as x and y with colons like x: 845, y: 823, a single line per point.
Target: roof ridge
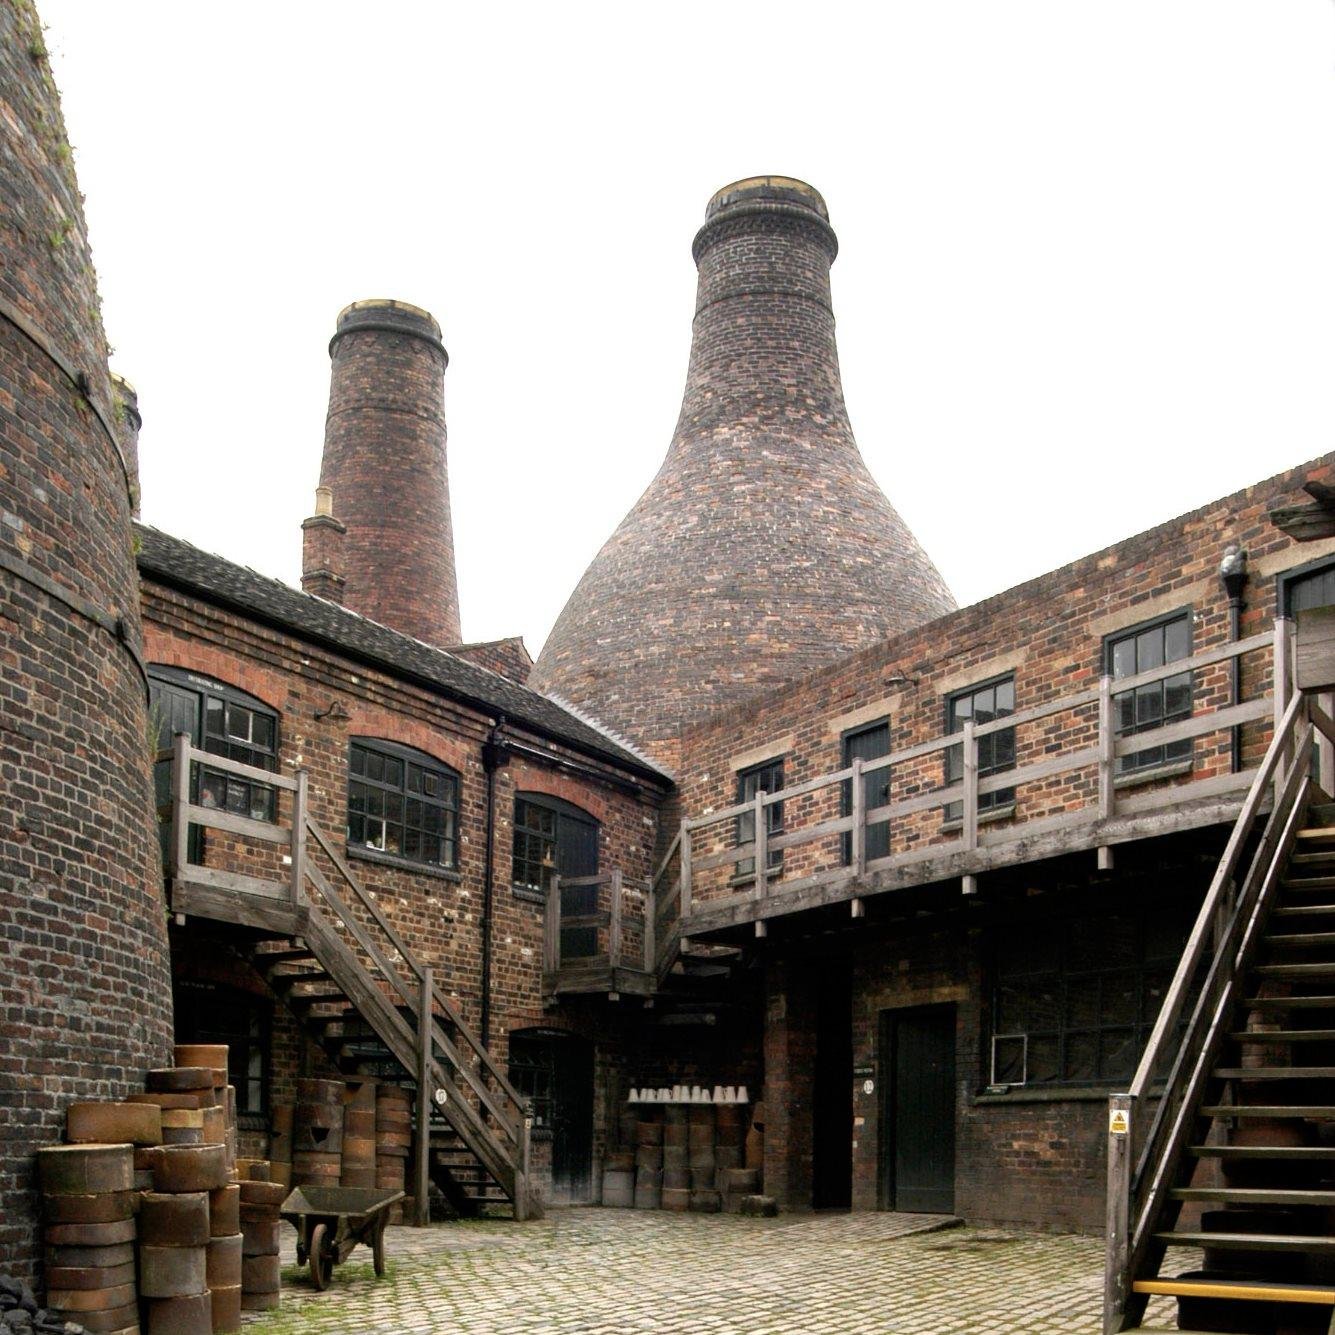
x: 610, y: 733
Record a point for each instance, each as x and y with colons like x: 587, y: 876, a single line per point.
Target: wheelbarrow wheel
x: 321, y: 1262
x: 378, y: 1250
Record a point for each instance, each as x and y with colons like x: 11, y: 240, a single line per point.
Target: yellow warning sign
x: 1117, y: 1122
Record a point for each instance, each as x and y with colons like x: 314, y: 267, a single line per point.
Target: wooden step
x: 1255, y: 1195
x: 1308, y: 1113
x: 285, y: 954
x: 1251, y: 1242
x: 1290, y: 1003
x: 286, y: 979
x: 1284, y: 1036
x: 1262, y: 1153
x: 1318, y: 834
x: 1314, y: 972
x: 1248, y: 1290
x: 1276, y: 1073
x: 1291, y: 941
x: 1303, y: 911
x: 1307, y: 883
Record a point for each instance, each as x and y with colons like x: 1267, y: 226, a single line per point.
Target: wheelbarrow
x: 331, y: 1221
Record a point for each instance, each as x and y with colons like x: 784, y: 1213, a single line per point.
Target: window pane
x: 1124, y: 658
x: 1149, y: 649
x: 213, y: 717
x: 1149, y: 706
x: 357, y: 760
x: 1082, y: 1055
x: 1004, y: 749
x: 1177, y: 697
x: 1006, y: 696
x: 1177, y: 640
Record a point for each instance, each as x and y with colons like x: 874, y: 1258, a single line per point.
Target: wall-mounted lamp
x: 899, y: 679
x: 334, y: 711
x: 1233, y: 571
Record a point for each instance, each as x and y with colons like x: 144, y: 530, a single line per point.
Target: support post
x: 1116, y: 1281
x: 422, y: 1164
x: 859, y: 810
x: 1107, y: 745
x: 614, y: 923
x: 180, y: 830
x: 521, y: 1202
x: 970, y: 803
x: 762, y: 847
x: 299, y: 805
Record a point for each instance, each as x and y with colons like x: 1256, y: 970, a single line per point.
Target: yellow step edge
x: 1204, y: 1288
x: 1320, y: 832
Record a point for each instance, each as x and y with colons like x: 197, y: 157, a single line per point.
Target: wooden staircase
x: 327, y: 950
x: 1226, y: 1142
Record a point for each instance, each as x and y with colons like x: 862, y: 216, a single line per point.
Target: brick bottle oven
x: 763, y: 548
x: 85, y: 993
x: 381, y: 541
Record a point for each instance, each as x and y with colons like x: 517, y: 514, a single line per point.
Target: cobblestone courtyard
x: 614, y: 1272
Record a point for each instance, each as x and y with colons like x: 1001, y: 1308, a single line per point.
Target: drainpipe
x: 493, y: 758
x: 1233, y: 574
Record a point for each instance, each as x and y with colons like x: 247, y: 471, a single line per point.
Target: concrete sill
x: 1056, y: 1094
x: 360, y: 853
x: 529, y: 896
x: 989, y: 817
x: 1137, y: 777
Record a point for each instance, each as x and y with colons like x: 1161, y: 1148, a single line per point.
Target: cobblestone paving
x: 619, y: 1272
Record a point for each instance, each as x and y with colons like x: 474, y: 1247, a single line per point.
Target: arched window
x: 552, y: 837
x: 402, y: 802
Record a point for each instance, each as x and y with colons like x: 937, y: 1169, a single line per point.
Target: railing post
x: 859, y: 811
x: 552, y: 924
x: 1107, y: 746
x: 299, y: 801
x: 1116, y: 1281
x: 180, y: 827
x: 614, y: 924
x: 684, y: 900
x: 1282, y: 689
x: 521, y: 1174
x: 422, y: 1166
x: 762, y: 847
x: 650, y: 923
x: 970, y: 804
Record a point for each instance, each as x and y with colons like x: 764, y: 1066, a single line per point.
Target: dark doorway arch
x: 554, y: 1070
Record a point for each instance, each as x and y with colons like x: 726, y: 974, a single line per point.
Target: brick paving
x: 616, y: 1272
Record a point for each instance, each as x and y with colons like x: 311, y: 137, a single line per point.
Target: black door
x: 869, y: 744
x: 555, y: 1072
x: 577, y: 855
x: 172, y: 709
x: 832, y: 1099
x: 918, y: 1109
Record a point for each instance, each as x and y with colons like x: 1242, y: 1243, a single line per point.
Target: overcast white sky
x: 1087, y: 278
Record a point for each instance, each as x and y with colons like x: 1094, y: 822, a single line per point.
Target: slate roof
x: 171, y: 561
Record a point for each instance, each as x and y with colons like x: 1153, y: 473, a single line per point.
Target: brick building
x: 768, y: 811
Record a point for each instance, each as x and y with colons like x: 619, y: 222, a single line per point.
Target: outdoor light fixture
x: 1233, y: 571
x: 335, y: 710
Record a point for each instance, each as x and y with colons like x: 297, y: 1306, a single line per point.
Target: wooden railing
x: 1073, y: 736
x: 321, y: 899
x: 621, y: 919
x: 1150, y: 1125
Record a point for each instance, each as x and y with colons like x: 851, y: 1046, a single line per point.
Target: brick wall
x: 85, y: 1004
x: 438, y: 912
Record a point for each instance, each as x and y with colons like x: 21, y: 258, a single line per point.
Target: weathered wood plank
x: 808, y: 833
x: 269, y: 778
x: 1221, y: 653
x: 1040, y: 769
x: 422, y: 1145
x: 1174, y: 794
x: 1196, y: 726
x: 217, y: 819
x: 266, y: 915
x: 219, y: 879
x: 737, y: 853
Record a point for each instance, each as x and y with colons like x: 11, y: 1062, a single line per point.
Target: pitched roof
x: 177, y: 563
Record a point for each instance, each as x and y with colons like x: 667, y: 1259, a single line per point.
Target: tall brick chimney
x: 383, y: 479
x: 763, y: 548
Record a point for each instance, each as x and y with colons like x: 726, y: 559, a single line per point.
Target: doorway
x: 554, y: 1071
x: 832, y: 1099
x: 917, y: 1063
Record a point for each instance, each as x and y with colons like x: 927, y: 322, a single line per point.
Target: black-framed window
x: 211, y: 1013
x: 402, y: 802
x: 1074, y: 999
x: 1159, y: 703
x: 223, y: 721
x: 532, y: 1072
x: 551, y: 837
x: 766, y: 778
x: 1307, y: 588
x: 996, y: 750
x: 869, y: 743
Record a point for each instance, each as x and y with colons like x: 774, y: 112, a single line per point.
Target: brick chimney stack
x: 763, y: 549
x: 389, y: 553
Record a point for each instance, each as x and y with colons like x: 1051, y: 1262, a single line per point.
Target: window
x: 551, y: 837
x: 402, y: 802
x: 1074, y: 999
x: 868, y: 744
x: 225, y: 722
x: 996, y: 750
x: 766, y: 778
x: 533, y: 1074
x: 1159, y: 703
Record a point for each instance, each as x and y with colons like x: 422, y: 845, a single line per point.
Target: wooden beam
x: 299, y: 816
x: 859, y: 819
x: 180, y: 831
x: 1117, y: 1277
x: 217, y: 819
x: 614, y: 925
